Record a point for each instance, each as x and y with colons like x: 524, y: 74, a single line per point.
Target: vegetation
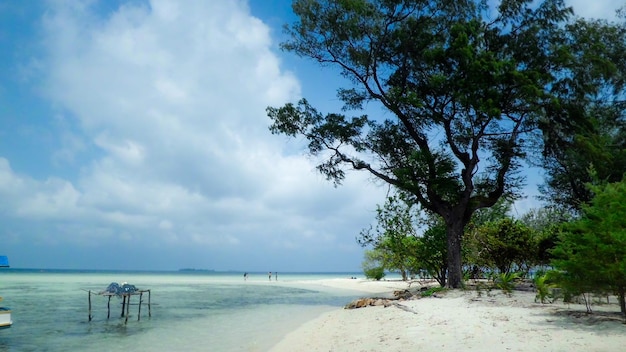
x: 431, y: 252
x: 545, y: 226
x: 461, y: 87
x: 464, y: 90
x: 431, y: 291
x: 591, y: 254
x: 506, y: 281
x: 588, y: 254
x: 587, y: 128
x: 503, y: 245
x: 372, y: 266
x: 399, y: 246
x: 394, y: 237
x: 545, y: 290
x: 374, y: 273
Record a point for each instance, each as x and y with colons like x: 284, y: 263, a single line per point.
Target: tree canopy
x: 585, y: 130
x: 464, y: 84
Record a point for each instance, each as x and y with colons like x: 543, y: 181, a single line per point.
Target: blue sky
x: 133, y: 135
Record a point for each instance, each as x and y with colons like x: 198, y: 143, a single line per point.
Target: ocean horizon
x: 198, y: 310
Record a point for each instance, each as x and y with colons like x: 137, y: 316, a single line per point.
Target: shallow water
x: 191, y: 311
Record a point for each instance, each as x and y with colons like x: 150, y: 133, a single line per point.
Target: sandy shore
x: 458, y: 320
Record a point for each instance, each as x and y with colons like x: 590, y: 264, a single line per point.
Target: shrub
x: 506, y: 282
x: 544, y: 289
x: 375, y: 273
x: 431, y: 291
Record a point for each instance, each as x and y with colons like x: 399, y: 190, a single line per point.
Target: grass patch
x: 431, y: 291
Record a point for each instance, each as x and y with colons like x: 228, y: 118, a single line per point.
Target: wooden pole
x: 149, y: 305
x: 109, y: 307
x: 140, y: 300
x: 89, y: 305
x: 127, y: 308
x: 123, y: 304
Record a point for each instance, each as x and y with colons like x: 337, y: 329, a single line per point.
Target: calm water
x: 191, y: 311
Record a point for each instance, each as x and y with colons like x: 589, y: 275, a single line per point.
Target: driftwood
x: 400, y: 295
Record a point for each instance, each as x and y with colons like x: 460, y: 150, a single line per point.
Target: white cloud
x: 171, y: 96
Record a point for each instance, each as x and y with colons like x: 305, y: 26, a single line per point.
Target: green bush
x: 375, y: 273
x: 431, y: 291
x: 544, y: 288
x: 506, y: 282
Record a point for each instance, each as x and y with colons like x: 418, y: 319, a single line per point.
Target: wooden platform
x: 126, y: 297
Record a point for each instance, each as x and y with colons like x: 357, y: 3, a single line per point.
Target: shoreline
x: 457, y: 320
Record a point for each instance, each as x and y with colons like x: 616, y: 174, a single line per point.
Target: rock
x: 378, y: 302
x: 403, y: 294
x: 366, y: 302
x: 358, y: 303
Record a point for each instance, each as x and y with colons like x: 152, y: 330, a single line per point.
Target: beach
x: 299, y: 312
x: 457, y: 320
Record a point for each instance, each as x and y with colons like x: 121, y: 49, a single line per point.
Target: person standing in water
x: 270, y: 275
x: 276, y: 276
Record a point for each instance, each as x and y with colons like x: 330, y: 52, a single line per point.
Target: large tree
x: 460, y: 84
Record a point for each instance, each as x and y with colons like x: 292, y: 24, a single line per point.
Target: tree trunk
x: 454, y: 230
x: 441, y: 276
x: 621, y: 296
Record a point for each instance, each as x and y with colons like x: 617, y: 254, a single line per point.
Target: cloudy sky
x: 133, y: 135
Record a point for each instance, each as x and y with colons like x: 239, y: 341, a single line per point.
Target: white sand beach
x: 457, y: 320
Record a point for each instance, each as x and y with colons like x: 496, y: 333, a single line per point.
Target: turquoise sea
x: 191, y: 311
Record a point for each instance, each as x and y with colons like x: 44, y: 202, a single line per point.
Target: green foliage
x: 393, y: 236
x: 506, y: 281
x: 544, y: 289
x: 372, y: 265
x: 431, y: 291
x: 399, y: 248
x: 585, y: 127
x: 546, y: 241
x: 545, y: 218
x: 591, y: 254
x: 376, y: 273
x: 497, y: 212
x: 461, y: 89
x: 432, y: 251
x: 502, y: 245
x: 545, y: 226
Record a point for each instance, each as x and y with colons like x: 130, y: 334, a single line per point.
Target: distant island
x: 192, y: 269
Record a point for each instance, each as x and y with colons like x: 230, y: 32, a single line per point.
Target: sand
x: 458, y: 320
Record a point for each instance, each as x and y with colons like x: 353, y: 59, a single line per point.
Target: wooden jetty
x: 125, y: 302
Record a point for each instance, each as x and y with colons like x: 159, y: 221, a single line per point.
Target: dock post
x: 140, y: 300
x: 149, y: 305
x: 123, y: 304
x: 127, y: 309
x: 109, y: 307
x: 89, y: 292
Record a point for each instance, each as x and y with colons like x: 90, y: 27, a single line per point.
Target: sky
x: 133, y: 136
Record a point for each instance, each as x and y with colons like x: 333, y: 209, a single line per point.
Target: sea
x: 189, y: 310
